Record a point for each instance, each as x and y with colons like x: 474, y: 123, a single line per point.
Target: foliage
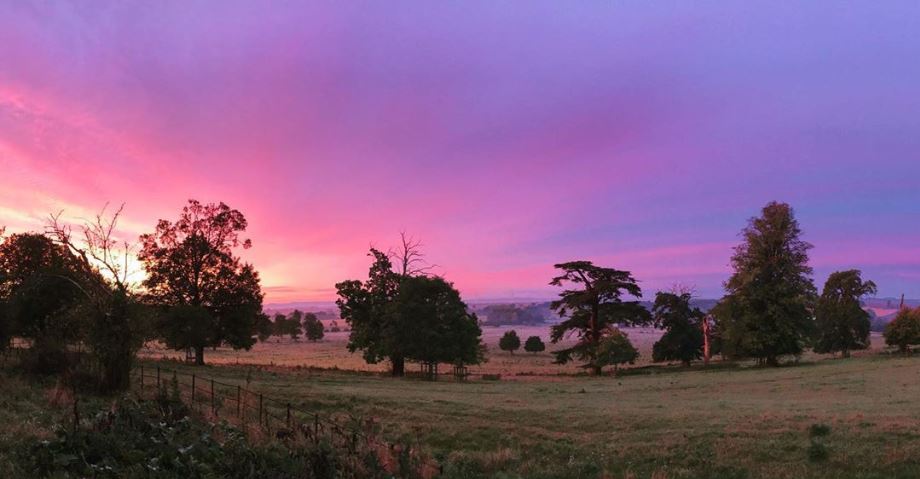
x: 263, y: 327
x: 441, y: 329
x: 683, y: 337
x: 366, y: 307
x: 294, y: 324
x: 534, y: 345
x: 313, y: 327
x: 842, y: 324
x: 767, y: 311
x: 39, y: 288
x: 593, y: 308
x: 615, y: 349
x: 512, y: 314
x: 509, y: 341
x: 904, y: 330
x: 156, y: 439
x: 191, y: 263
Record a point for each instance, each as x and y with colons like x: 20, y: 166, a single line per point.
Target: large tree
x: 768, y: 309
x: 843, y: 325
x: 40, y: 288
x: 683, y: 332
x: 367, y: 307
x: 592, y: 308
x: 904, y: 330
x: 441, y: 330
x: 192, y: 270
x: 313, y: 327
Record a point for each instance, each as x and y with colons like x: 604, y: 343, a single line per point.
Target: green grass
x: 741, y: 422
x: 726, y: 422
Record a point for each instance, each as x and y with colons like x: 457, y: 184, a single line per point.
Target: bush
x: 817, y: 451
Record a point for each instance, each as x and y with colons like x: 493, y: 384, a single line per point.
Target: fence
x: 272, y: 418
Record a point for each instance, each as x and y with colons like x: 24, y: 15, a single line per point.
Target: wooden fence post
x: 260, y: 410
x: 315, y: 427
x: 213, y: 409
x: 142, y: 379
x: 193, y: 389
x: 238, y: 401
x: 289, y: 415
x: 158, y: 378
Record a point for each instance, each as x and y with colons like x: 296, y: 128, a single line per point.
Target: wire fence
x: 266, y: 417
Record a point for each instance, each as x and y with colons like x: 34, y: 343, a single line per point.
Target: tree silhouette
x: 367, y: 308
x: 191, y: 263
x: 843, y: 325
x: 534, y: 345
x: 904, y: 330
x: 509, y: 341
x: 683, y: 337
x: 767, y: 311
x: 313, y: 327
x: 591, y: 309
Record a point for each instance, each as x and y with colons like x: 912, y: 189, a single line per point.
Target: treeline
x: 293, y: 325
x: 513, y: 314
x: 65, y: 296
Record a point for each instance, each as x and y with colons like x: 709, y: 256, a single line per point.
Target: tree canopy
x: 683, y: 334
x: 509, y: 341
x: 592, y: 308
x: 767, y: 310
x: 904, y: 330
x: 407, y: 316
x: 313, y: 327
x: 842, y: 324
x: 191, y: 266
x: 534, y: 345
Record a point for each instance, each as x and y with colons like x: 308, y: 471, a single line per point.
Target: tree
x: 615, y: 349
x: 904, y: 330
x: 117, y: 320
x: 591, y: 309
x: 367, y: 308
x: 263, y: 327
x: 294, y: 325
x: 767, y: 311
x: 280, y: 326
x: 313, y: 327
x: 191, y: 263
x: 683, y: 337
x: 442, y: 329
x: 843, y: 325
x: 509, y: 341
x: 534, y: 345
x: 39, y: 288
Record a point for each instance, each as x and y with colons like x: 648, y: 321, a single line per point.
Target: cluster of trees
x: 511, y: 342
x: 406, y: 314
x: 904, y: 330
x: 66, y: 295
x: 294, y: 325
x: 771, y: 308
x: 68, y: 298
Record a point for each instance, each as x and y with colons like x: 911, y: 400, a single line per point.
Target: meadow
x: 821, y: 418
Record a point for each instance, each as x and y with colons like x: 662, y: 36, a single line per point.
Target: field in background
x: 332, y: 353
x: 663, y: 423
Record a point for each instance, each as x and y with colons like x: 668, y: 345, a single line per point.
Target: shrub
x: 817, y: 451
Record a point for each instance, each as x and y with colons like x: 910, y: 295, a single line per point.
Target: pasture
x: 725, y: 421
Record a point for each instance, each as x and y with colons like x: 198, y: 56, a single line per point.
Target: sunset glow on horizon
x: 506, y: 138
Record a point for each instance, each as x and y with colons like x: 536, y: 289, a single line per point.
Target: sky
x: 506, y: 136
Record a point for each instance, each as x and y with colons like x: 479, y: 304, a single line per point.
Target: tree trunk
x: 399, y: 366
x: 772, y: 361
x: 597, y: 370
x: 845, y: 353
x: 199, y: 355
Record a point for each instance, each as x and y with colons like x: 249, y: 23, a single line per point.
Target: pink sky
x: 507, y: 137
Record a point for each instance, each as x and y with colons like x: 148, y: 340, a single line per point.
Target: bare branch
x: 409, y: 257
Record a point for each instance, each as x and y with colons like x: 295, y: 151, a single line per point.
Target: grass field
x: 731, y: 421
x: 669, y: 423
